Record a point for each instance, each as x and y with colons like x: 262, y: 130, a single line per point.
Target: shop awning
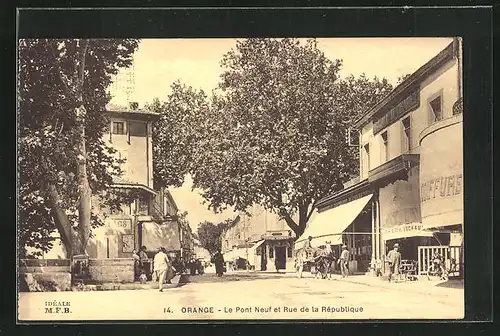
x: 329, y: 225
x: 260, y: 242
x: 165, y: 235
x: 237, y: 253
x: 406, y: 231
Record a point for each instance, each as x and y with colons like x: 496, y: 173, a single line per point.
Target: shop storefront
x: 410, y: 150
x: 441, y: 186
x: 275, y: 251
x: 344, y: 220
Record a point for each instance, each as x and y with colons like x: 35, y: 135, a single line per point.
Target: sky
x: 196, y: 62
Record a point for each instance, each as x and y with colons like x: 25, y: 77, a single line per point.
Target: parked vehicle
x: 196, y: 266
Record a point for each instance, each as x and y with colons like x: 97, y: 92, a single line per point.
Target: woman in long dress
x: 218, y: 260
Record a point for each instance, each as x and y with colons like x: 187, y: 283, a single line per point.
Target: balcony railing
x: 458, y: 107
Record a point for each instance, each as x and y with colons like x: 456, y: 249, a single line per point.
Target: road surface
x: 245, y: 296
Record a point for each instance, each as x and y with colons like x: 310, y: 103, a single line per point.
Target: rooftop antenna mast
x: 129, y: 81
x: 124, y: 84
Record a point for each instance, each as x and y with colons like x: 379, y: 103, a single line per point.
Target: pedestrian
x: 300, y: 259
x: 161, y: 265
x: 137, y: 264
x: 344, y: 261
x: 308, y: 246
x: 276, y: 265
x: 218, y: 260
x: 144, y: 262
x: 394, y: 259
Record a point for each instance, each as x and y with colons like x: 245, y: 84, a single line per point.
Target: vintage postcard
x: 240, y: 179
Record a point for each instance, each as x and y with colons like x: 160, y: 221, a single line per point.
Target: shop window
x: 137, y: 128
x: 271, y: 252
x: 436, y: 109
x: 143, y: 206
x: 118, y: 127
x: 406, y: 145
x: 385, y: 147
x: 290, y: 252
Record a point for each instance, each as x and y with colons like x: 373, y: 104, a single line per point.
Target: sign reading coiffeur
x: 440, y: 187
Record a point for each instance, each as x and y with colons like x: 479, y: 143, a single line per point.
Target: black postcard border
x: 474, y: 25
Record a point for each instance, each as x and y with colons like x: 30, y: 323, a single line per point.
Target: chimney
x: 133, y: 105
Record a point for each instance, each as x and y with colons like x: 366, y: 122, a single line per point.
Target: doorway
x: 263, y: 258
x: 280, y: 257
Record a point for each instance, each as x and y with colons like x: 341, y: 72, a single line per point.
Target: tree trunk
x: 84, y: 191
x: 61, y: 221
x: 83, y: 182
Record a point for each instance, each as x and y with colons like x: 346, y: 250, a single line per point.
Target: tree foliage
x: 210, y: 234
x: 62, y: 96
x: 174, y: 134
x: 276, y: 134
x: 402, y: 78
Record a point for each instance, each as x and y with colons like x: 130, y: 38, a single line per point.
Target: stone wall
x: 112, y: 270
x: 44, y: 275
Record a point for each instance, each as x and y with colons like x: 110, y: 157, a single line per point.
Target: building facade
x: 260, y: 237
x: 150, y: 218
x: 409, y: 189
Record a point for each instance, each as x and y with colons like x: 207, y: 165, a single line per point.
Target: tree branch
x: 313, y: 206
x: 289, y: 220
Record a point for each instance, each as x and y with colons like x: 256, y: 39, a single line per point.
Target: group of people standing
x: 306, y: 253
x: 162, y: 268
x: 327, y: 257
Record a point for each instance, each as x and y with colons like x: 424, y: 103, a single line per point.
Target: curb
x: 126, y: 286
x: 429, y: 290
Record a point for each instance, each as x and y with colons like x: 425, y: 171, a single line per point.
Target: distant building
x: 260, y: 238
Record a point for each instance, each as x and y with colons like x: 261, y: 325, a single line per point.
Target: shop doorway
x: 263, y: 258
x: 280, y: 255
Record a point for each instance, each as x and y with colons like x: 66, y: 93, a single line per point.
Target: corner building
x: 410, y: 186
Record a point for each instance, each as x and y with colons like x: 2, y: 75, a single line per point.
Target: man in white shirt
x: 344, y: 260
x: 161, y: 264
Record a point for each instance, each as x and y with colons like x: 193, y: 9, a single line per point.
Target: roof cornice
x: 413, y: 80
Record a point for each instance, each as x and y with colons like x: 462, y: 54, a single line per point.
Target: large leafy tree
x: 175, y: 133
x: 63, y: 161
x: 276, y: 134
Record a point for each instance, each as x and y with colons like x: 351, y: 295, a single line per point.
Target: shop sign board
x: 119, y: 224
x: 407, y: 104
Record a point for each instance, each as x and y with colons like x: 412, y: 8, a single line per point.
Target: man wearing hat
x: 394, y: 259
x: 307, y: 246
x: 344, y: 260
x: 161, y: 265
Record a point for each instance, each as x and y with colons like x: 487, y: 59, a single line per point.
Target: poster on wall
x: 128, y: 243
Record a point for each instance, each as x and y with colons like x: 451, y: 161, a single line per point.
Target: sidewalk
x: 421, y: 286
x: 126, y: 286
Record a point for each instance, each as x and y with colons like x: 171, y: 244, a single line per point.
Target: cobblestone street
x: 256, y: 296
